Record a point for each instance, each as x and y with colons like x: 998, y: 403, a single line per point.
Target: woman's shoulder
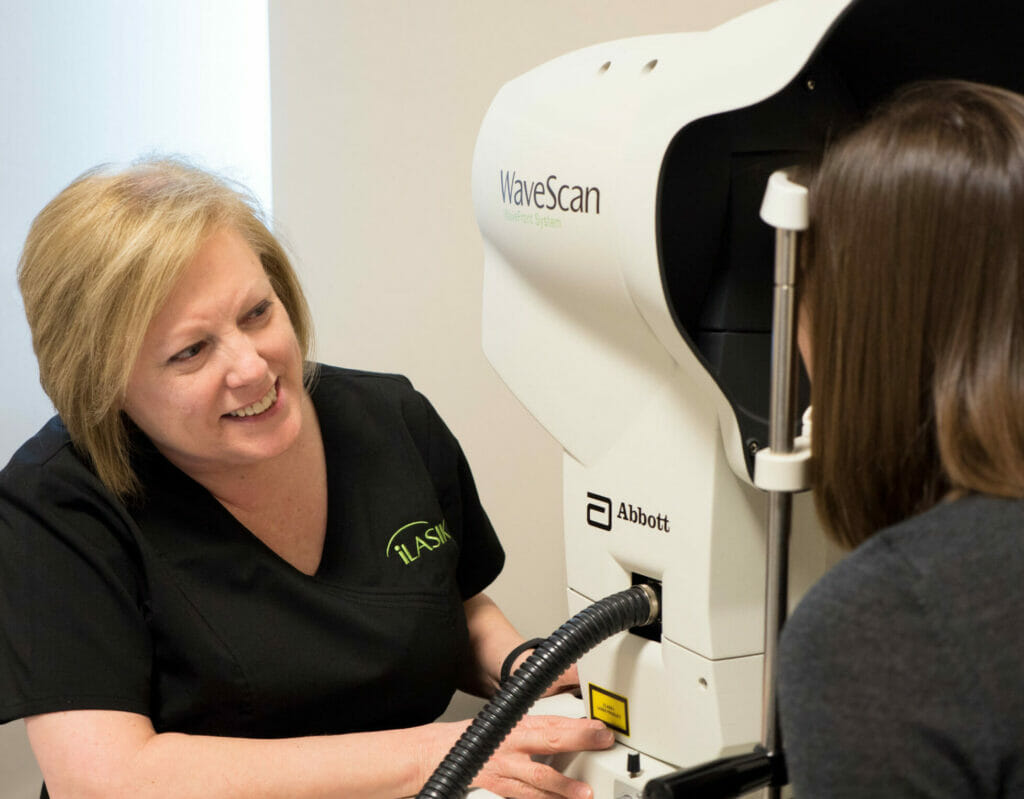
x: 941, y: 584
x: 54, y: 508
x: 51, y: 439
x: 905, y: 646
x: 361, y: 397
x: 363, y: 411
x: 863, y: 596
x: 328, y: 378
x: 976, y: 522
x: 48, y: 462
x: 947, y: 555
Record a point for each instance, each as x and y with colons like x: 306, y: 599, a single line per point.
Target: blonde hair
x: 99, y: 262
x: 913, y: 279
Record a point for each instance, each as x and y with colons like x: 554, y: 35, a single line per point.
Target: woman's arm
x: 87, y: 754
x: 100, y: 753
x: 491, y: 638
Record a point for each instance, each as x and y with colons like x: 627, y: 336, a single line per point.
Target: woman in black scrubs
x: 227, y: 571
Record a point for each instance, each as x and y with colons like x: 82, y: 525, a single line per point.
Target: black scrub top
x: 169, y: 607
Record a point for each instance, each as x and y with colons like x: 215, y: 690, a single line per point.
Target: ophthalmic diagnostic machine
x: 628, y: 303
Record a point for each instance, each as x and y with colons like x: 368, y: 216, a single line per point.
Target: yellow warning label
x: 610, y: 708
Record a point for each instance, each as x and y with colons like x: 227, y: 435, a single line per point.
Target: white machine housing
x: 576, y: 321
x: 616, y: 191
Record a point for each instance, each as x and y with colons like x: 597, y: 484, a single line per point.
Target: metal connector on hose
x: 633, y: 607
x: 654, y: 603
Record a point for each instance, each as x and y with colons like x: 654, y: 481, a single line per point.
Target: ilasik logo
x: 548, y: 194
x: 415, y: 539
x: 599, y: 514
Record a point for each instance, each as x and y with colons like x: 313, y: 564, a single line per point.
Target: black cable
x: 633, y: 607
x: 510, y: 658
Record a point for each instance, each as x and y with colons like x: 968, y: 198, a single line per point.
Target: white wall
x: 83, y: 83
x: 376, y: 107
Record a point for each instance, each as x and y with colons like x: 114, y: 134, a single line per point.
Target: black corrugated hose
x: 633, y: 607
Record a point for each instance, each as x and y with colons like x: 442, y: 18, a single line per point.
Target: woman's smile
x: 258, y: 408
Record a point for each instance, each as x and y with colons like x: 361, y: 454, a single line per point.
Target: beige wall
x: 375, y: 110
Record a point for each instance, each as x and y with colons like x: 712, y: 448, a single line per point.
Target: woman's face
x: 218, y: 382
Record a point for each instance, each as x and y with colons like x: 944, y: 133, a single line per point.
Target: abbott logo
x: 599, y: 511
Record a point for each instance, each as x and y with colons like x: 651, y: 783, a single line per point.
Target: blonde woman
x: 227, y: 572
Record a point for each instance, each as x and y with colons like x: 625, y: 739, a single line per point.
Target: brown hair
x: 99, y: 262
x: 911, y: 283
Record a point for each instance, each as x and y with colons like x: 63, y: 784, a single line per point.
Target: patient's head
x: 98, y: 263
x: 911, y: 285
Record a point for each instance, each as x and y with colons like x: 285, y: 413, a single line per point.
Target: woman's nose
x: 245, y: 364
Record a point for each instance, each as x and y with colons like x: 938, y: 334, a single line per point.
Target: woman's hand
x: 491, y: 638
x: 513, y: 770
x: 567, y: 683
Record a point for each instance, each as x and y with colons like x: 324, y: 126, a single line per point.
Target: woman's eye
x: 188, y: 353
x: 259, y: 310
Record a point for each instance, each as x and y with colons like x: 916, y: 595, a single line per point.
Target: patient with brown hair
x: 902, y: 671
